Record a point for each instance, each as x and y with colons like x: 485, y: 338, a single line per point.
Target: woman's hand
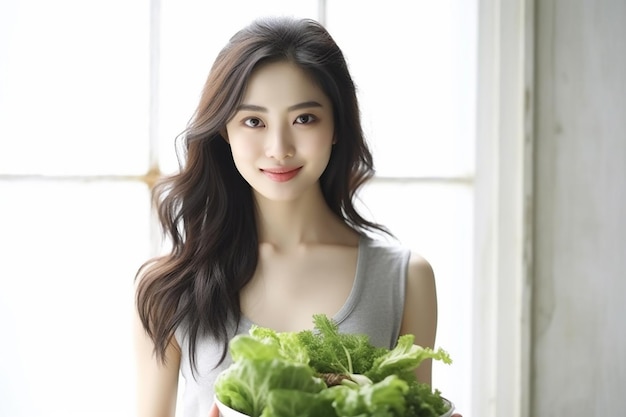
x: 214, y: 412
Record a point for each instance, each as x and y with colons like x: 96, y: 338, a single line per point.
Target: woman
x: 262, y: 221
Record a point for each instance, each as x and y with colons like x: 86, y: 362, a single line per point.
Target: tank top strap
x: 376, y: 302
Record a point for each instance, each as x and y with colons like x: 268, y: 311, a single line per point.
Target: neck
x: 307, y: 220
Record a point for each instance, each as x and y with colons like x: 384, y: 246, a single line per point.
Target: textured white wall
x: 579, y: 341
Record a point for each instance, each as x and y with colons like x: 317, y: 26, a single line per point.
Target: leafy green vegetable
x: 287, y: 343
x: 405, y: 357
x: 383, y: 398
x: 279, y: 375
x: 423, y: 402
x: 290, y: 403
x: 259, y: 368
x: 332, y: 351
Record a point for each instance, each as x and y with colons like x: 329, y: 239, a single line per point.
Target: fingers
x: 214, y: 412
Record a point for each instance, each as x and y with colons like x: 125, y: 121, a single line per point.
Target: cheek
x: 320, y: 145
x: 242, y: 150
x: 318, y: 139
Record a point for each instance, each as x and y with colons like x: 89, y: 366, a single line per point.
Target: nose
x: 279, y: 144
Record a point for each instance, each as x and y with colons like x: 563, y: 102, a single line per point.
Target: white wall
x: 579, y: 340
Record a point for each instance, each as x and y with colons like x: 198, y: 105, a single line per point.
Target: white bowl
x: 450, y: 410
x: 226, y: 411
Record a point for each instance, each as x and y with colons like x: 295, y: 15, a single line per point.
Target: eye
x: 305, y: 119
x: 253, y: 122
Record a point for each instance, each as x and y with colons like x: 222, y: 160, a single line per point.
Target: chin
x: 284, y: 193
x: 278, y: 197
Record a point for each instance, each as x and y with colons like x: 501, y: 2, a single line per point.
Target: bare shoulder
x: 420, y: 304
x: 420, y: 269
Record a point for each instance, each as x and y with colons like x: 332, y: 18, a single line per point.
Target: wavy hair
x: 207, y: 208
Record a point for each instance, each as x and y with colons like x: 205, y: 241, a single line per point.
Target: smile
x: 281, y: 174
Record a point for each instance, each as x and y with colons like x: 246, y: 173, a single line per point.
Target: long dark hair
x: 207, y: 208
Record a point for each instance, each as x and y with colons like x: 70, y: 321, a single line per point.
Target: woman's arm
x: 420, y: 310
x: 157, y: 383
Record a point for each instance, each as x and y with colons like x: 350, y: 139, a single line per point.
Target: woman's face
x: 281, y: 135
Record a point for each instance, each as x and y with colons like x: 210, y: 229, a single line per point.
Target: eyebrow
x: 299, y: 106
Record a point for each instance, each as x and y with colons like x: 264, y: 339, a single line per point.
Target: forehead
x: 282, y: 84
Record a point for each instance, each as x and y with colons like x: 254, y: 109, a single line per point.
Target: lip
x: 282, y: 174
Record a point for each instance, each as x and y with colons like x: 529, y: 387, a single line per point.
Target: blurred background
x: 499, y: 139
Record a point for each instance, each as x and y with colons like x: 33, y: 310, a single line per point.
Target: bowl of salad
x: 226, y: 411
x: 323, y: 372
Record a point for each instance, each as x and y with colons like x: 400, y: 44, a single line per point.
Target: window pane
x: 69, y: 254
x: 74, y: 78
x: 414, y: 66
x: 435, y: 220
x: 193, y: 32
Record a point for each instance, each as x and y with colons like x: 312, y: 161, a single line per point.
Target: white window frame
x: 503, y: 212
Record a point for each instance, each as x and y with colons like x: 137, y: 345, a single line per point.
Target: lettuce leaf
x: 291, y: 403
x: 263, y: 361
x: 384, y: 398
x: 403, y: 359
x: 246, y: 384
x: 287, y: 343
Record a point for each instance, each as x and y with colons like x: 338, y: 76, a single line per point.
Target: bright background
x: 92, y: 95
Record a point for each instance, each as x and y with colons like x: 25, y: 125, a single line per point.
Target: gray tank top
x: 374, y: 307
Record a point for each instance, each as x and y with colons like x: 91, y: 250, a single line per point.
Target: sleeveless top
x: 373, y: 307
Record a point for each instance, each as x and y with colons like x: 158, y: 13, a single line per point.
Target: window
x: 92, y: 95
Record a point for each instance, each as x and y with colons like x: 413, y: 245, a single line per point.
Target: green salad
x: 326, y: 373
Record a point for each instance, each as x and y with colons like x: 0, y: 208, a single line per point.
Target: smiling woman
x: 87, y: 125
x: 262, y: 221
